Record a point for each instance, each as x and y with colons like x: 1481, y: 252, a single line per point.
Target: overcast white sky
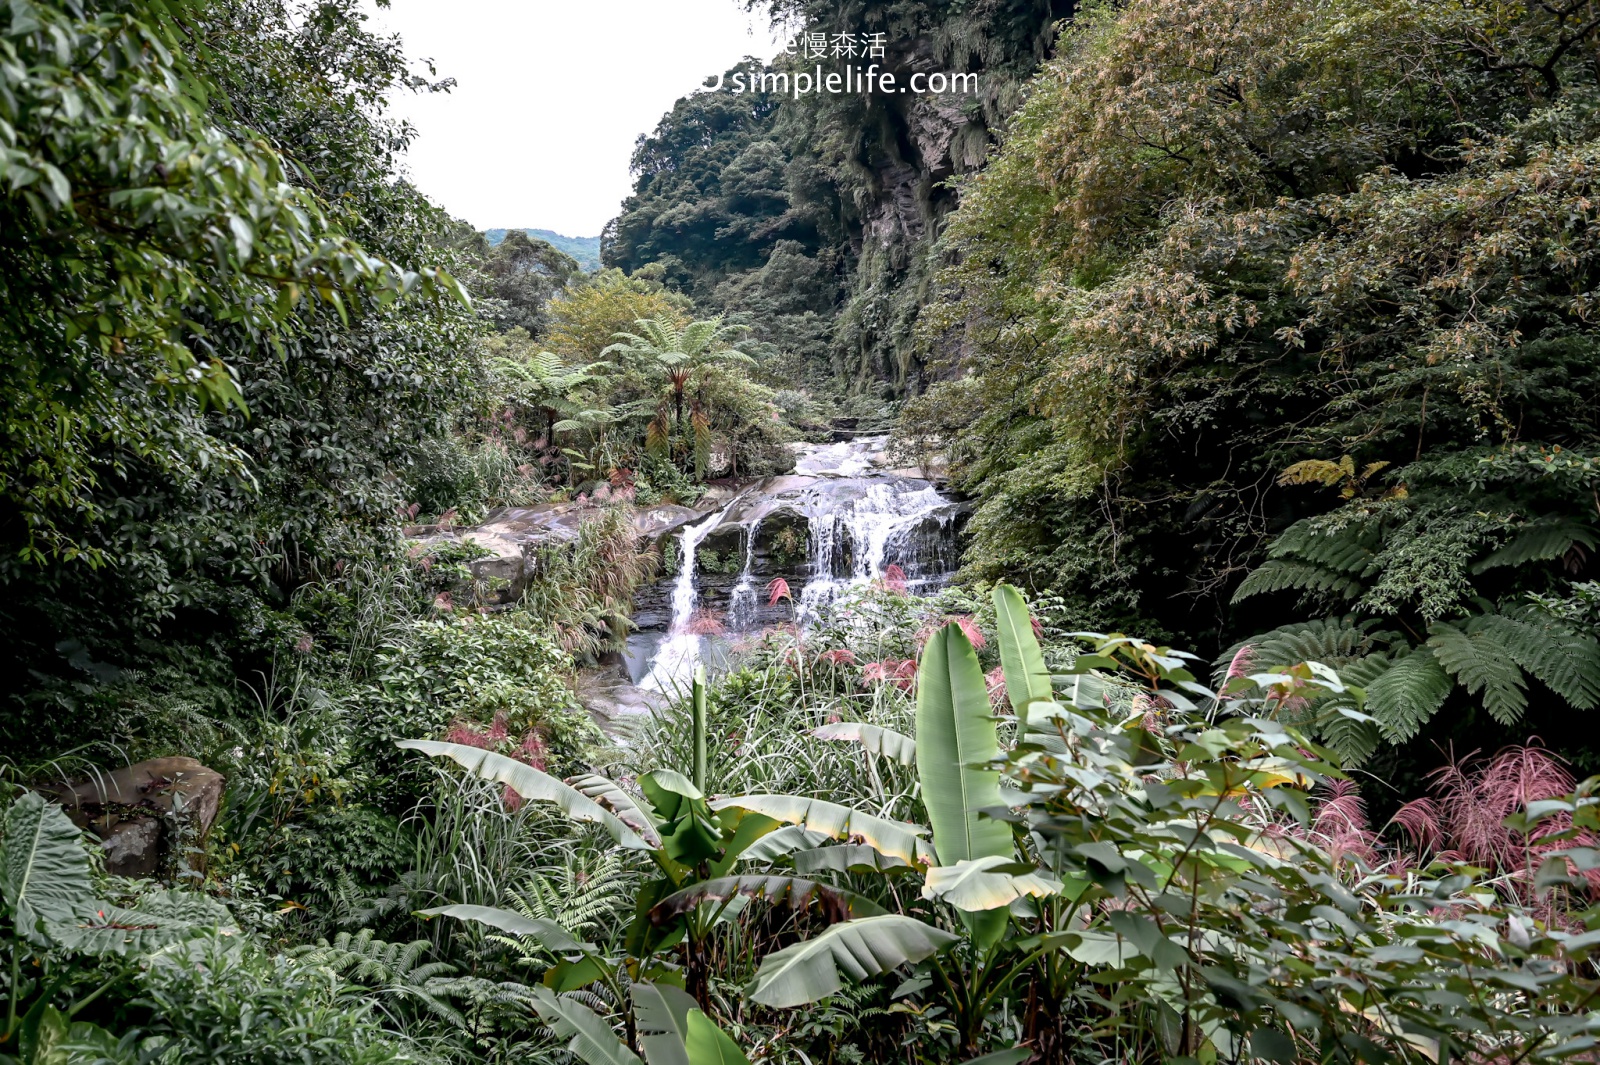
x: 551, y: 95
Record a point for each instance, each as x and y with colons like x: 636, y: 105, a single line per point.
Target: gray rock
x: 135, y: 810
x: 133, y: 848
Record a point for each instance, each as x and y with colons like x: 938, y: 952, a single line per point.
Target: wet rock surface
x: 146, y: 813
x: 841, y: 520
x: 512, y: 535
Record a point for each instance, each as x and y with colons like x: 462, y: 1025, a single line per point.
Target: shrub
x: 471, y: 669
x: 217, y: 1000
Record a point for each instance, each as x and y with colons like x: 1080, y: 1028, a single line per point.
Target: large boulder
x: 146, y: 812
x: 512, y: 536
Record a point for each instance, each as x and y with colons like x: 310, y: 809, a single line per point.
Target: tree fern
x: 1331, y: 641
x: 1539, y: 541
x: 1564, y: 659
x: 1282, y: 574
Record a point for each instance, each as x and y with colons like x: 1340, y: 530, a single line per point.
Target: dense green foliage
x: 1249, y: 323
x: 585, y: 251
x: 812, y: 215
x: 1267, y: 329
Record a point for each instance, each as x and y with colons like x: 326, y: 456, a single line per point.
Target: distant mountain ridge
x: 584, y: 249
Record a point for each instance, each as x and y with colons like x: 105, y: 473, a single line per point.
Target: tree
x: 220, y: 367
x: 1168, y: 305
x: 519, y: 278
x: 541, y: 380
x: 682, y: 354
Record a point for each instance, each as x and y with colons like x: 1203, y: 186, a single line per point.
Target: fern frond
x: 1482, y: 664
x: 1403, y: 697
x: 1280, y: 574
x: 1331, y: 641
x: 1539, y: 541
x: 1565, y: 660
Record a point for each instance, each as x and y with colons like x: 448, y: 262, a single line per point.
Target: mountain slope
x: 584, y: 249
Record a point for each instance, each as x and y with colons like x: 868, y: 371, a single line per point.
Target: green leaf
x: 875, y: 738
x: 786, y: 840
x: 698, y: 726
x: 955, y: 734
x: 531, y: 784
x: 894, y: 838
x: 846, y: 858
x: 1097, y: 948
x: 816, y: 968
x: 661, y: 1015
x: 1539, y: 541
x: 157, y: 920
x: 1481, y: 664
x: 44, y: 870
x: 590, y: 1039
x: 1408, y: 693
x: 709, y: 1045
x: 1566, y: 661
x: 1027, y: 678
x: 610, y: 794
x: 986, y: 884
x: 550, y: 935
x: 955, y: 738
x: 688, y: 833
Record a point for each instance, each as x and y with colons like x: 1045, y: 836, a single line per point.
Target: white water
x: 672, y: 669
x: 854, y: 541
x: 742, y: 604
x: 860, y: 521
x: 851, y: 458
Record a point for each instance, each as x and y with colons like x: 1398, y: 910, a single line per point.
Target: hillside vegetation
x: 1257, y: 337
x: 585, y: 251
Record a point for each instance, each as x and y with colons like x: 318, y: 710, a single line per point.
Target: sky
x: 551, y: 95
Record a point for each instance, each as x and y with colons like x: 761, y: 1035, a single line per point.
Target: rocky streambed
x: 841, y: 519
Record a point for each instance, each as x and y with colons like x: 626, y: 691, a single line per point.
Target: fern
x: 392, y: 968
x: 1280, y: 574
x: 1481, y: 663
x: 1565, y: 660
x: 1404, y: 696
x: 584, y: 896
x: 1331, y: 641
x: 1539, y: 541
x: 1355, y: 738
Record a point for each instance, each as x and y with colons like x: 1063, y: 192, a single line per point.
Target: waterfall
x: 854, y: 540
x: 860, y: 517
x: 673, y: 666
x: 742, y: 605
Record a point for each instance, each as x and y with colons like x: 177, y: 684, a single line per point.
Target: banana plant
x: 996, y: 862
x: 974, y: 863
x: 694, y: 846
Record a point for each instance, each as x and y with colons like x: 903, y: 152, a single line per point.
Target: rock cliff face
x: 848, y: 191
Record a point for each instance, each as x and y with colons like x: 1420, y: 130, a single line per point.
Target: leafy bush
x: 472, y: 669
x: 217, y: 999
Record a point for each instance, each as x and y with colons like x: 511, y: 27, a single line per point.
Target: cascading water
x: 742, y: 604
x: 672, y: 669
x: 858, y: 519
x: 853, y: 541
